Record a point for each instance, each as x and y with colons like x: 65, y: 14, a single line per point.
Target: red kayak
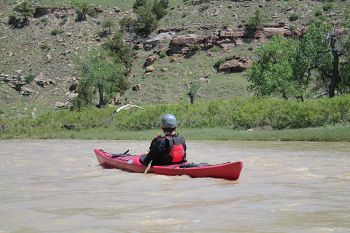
x: 131, y: 163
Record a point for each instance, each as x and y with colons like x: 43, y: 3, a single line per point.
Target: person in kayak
x: 167, y: 149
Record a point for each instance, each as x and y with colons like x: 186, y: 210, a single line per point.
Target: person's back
x: 167, y: 149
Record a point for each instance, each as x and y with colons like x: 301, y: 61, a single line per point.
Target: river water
x: 57, y: 186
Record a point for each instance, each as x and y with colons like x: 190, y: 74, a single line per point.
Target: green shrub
x: 237, y: 113
x: 108, y: 24
x: 120, y: 49
x: 327, y: 6
x: 203, y: 8
x: 44, y: 47
x: 56, y: 31
x: 29, y: 78
x: 44, y: 20
x: 255, y: 22
x: 13, y: 21
x: 81, y: 9
x: 25, y: 10
x: 219, y: 62
x: 146, y: 21
x: 215, y: 49
x: 293, y: 17
x: 162, y: 54
x: 318, y: 12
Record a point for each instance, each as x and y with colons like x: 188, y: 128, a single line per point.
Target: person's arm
x: 153, y: 152
x: 185, y: 148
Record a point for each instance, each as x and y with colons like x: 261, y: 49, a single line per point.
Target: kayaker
x: 167, y: 149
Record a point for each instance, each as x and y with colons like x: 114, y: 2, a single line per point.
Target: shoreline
x: 337, y: 133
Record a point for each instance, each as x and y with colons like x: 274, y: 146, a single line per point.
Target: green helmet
x: 169, y: 121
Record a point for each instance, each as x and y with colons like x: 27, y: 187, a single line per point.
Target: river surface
x: 57, y: 186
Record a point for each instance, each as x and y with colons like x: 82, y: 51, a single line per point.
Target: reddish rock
x: 177, y: 44
x: 149, y: 61
x: 270, y: 32
x: 234, y: 64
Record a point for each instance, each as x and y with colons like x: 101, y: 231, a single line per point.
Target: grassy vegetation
x: 336, y: 133
x: 222, y: 119
x: 173, y: 85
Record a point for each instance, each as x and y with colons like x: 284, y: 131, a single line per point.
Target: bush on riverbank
x: 238, y: 113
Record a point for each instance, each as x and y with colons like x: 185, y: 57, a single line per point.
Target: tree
x: 139, y: 3
x: 272, y: 71
x: 320, y: 58
x: 193, y: 91
x: 255, y: 22
x: 146, y: 21
x: 344, y: 85
x: 148, y: 13
x: 121, y: 50
x: 312, y: 58
x: 325, y: 54
x: 102, y: 74
x: 25, y: 10
x: 159, y: 8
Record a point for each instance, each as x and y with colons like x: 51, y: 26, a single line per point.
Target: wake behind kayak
x: 131, y: 163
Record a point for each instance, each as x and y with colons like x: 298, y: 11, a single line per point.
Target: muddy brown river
x: 57, y: 186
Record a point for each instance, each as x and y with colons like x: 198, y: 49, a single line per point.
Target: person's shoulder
x: 181, y: 137
x: 158, y: 138
x: 178, y: 135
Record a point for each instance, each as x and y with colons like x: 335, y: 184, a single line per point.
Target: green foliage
x: 313, y: 54
x: 215, y: 49
x: 327, y: 6
x: 81, y: 9
x: 121, y: 50
x: 146, y: 21
x: 291, y: 67
x: 162, y: 54
x: 14, y: 21
x: 29, y: 78
x: 139, y: 3
x: 236, y: 113
x: 344, y: 86
x: 272, y: 72
x: 25, y: 10
x: 99, y: 72
x: 159, y: 8
x: 203, y: 8
x: 293, y: 17
x: 44, y: 47
x: 56, y: 31
x: 318, y: 12
x: 219, y: 62
x: 108, y: 24
x: 255, y: 22
x: 192, y: 50
x: 148, y: 13
x: 127, y: 24
x: 346, y: 22
x: 193, y: 91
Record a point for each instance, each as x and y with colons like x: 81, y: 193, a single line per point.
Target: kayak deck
x: 131, y: 163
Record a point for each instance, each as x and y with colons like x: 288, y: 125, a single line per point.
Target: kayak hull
x: 131, y: 163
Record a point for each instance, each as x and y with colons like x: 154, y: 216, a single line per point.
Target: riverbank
x: 235, y: 119
x: 338, y: 133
